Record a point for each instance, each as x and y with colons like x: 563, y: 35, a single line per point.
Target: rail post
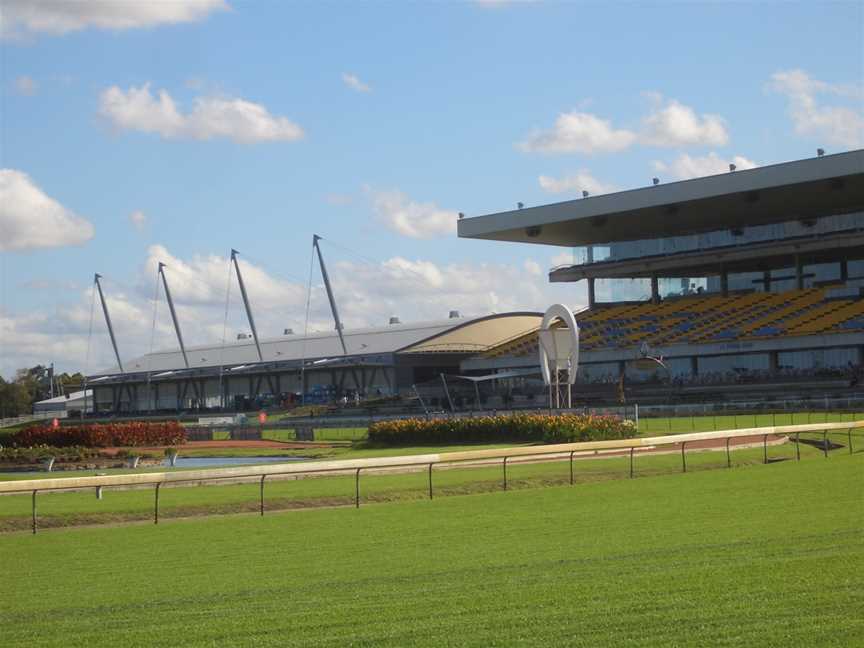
x: 156, y: 504
x: 430, y: 481
x: 683, y: 460
x: 505, y: 473
x: 764, y: 448
x: 34, y: 511
x: 357, y: 488
x: 825, y: 442
x: 631, y: 462
x: 728, y: 455
x: 263, y: 477
x: 797, y: 446
x: 571, y: 466
x: 849, y: 432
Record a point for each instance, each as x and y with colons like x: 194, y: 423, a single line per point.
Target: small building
x: 64, y: 405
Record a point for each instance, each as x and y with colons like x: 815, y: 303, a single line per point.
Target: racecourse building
x: 374, y: 363
x: 752, y: 275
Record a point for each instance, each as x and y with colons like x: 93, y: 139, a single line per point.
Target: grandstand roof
x: 804, y: 188
x: 464, y: 335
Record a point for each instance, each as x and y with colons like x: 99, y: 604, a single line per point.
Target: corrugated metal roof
x: 316, y: 346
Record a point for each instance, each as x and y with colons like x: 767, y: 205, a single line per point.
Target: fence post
x: 797, y: 446
x: 430, y: 481
x: 764, y: 448
x: 357, y: 488
x: 156, y: 505
x: 263, y: 477
x: 505, y: 473
x: 849, y: 432
x: 34, y: 511
x: 728, y: 455
x: 571, y: 466
x: 631, y: 463
x: 683, y: 460
x: 825, y: 442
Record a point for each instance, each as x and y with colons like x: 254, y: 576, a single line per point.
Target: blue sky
x: 453, y: 108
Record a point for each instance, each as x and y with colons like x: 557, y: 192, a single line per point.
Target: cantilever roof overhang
x: 808, y: 188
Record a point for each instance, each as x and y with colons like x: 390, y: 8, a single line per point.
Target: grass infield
x: 762, y: 555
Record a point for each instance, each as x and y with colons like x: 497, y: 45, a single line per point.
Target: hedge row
x: 545, y: 428
x: 133, y: 433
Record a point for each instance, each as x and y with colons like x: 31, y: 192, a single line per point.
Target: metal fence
x: 428, y: 462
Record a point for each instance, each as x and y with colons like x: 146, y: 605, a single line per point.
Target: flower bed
x: 542, y: 428
x: 133, y: 433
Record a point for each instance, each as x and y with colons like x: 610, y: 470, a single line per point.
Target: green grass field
x: 754, y: 556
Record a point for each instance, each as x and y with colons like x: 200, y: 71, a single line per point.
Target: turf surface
x: 762, y: 555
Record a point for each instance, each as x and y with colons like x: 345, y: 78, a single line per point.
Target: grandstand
x: 378, y: 362
x: 752, y: 276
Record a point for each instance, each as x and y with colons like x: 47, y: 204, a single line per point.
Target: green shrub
x: 39, y: 453
x: 539, y: 428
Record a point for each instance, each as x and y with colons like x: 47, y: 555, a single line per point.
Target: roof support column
x: 724, y: 282
x: 330, y: 296
x: 766, y: 280
x: 591, y: 294
x: 243, y: 294
x: 655, y: 289
x: 844, y: 270
x: 96, y: 279
x: 174, y: 319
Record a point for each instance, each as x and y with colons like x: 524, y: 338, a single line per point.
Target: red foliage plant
x: 96, y: 435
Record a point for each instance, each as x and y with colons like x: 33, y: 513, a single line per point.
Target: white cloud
x: 367, y: 293
x: 414, y: 219
x: 138, y: 219
x: 64, y: 16
x: 211, y: 117
x: 30, y: 219
x: 575, y: 182
x: 673, y: 124
x: 685, y: 167
x: 564, y: 258
x: 422, y: 290
x: 26, y: 86
x: 578, y: 132
x: 353, y: 82
x: 532, y: 267
x: 835, y: 124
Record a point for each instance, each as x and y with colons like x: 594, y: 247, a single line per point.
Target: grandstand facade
x: 375, y: 363
x: 752, y: 276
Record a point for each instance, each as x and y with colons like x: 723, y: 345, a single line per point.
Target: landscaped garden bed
x: 538, y: 428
